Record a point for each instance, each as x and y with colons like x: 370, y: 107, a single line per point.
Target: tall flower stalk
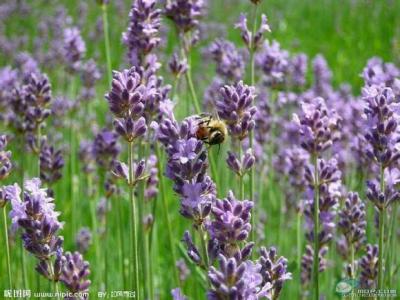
x: 127, y: 102
x: 317, y: 126
x: 104, y: 8
x: 381, y: 113
x: 5, y: 169
x: 252, y: 40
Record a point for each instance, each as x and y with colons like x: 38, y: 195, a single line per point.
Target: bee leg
x: 219, y: 148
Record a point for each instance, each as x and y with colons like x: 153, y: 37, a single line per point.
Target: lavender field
x: 199, y: 149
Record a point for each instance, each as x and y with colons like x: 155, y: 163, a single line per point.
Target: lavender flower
x: 192, y: 251
x: 274, y: 62
x: 86, y: 156
x: 37, y: 93
x: 273, y: 270
x: 184, y: 13
x: 90, y: 74
x: 236, y: 108
x: 151, y: 190
x: 178, y: 295
x: 307, y: 263
x: 322, y: 76
x: 230, y: 61
x: 252, y: 43
x: 121, y: 170
x: 381, y: 113
x: 244, y: 165
x: 105, y: 148
x: 298, y: 69
x: 35, y: 214
x: 51, y: 163
x: 126, y: 98
x: 74, y: 48
x: 352, y: 221
x: 5, y: 158
x: 369, y: 267
x: 184, y: 271
x: 75, y: 273
x: 178, y: 67
x: 141, y: 35
x: 237, y: 280
x: 329, y: 193
x: 231, y: 224
x: 83, y: 239
x: 376, y: 72
x: 317, y: 126
x: 381, y: 199
x: 130, y: 129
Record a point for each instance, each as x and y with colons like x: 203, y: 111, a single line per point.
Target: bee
x: 210, y: 130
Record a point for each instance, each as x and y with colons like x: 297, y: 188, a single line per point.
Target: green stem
x: 166, y: 216
x: 392, y: 241
x: 94, y: 227
x: 55, y: 282
x: 142, y: 235
x: 39, y: 146
x: 121, y: 241
x: 251, y: 137
x: 241, y: 182
x: 106, y: 245
x: 381, y: 231
x: 23, y: 267
x: 107, y: 43
x: 10, y: 286
x: 352, y: 268
x: 316, y: 229
x: 299, y: 248
x: 203, y: 240
x: 133, y: 218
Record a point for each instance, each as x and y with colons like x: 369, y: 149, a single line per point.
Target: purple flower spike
x: 307, y: 263
x: 369, y: 267
x: 184, y: 13
x: 273, y: 270
x: 151, y: 190
x: 251, y: 42
x: 83, y: 239
x: 236, y: 108
x: 51, y: 163
x: 352, y: 221
x: 5, y: 158
x: 243, y: 166
x: 130, y: 129
x: 142, y: 33
x: 183, y: 269
x: 382, y: 112
x: 36, y: 216
x: 230, y: 61
x: 37, y: 94
x: 317, y: 125
x: 121, y: 170
x: 231, y: 224
x: 75, y: 273
x: 274, y: 62
x: 177, y: 67
x: 126, y: 97
x: 376, y: 72
x: 74, y: 48
x: 178, y: 295
x: 105, y: 148
x: 192, y: 250
x: 237, y: 280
